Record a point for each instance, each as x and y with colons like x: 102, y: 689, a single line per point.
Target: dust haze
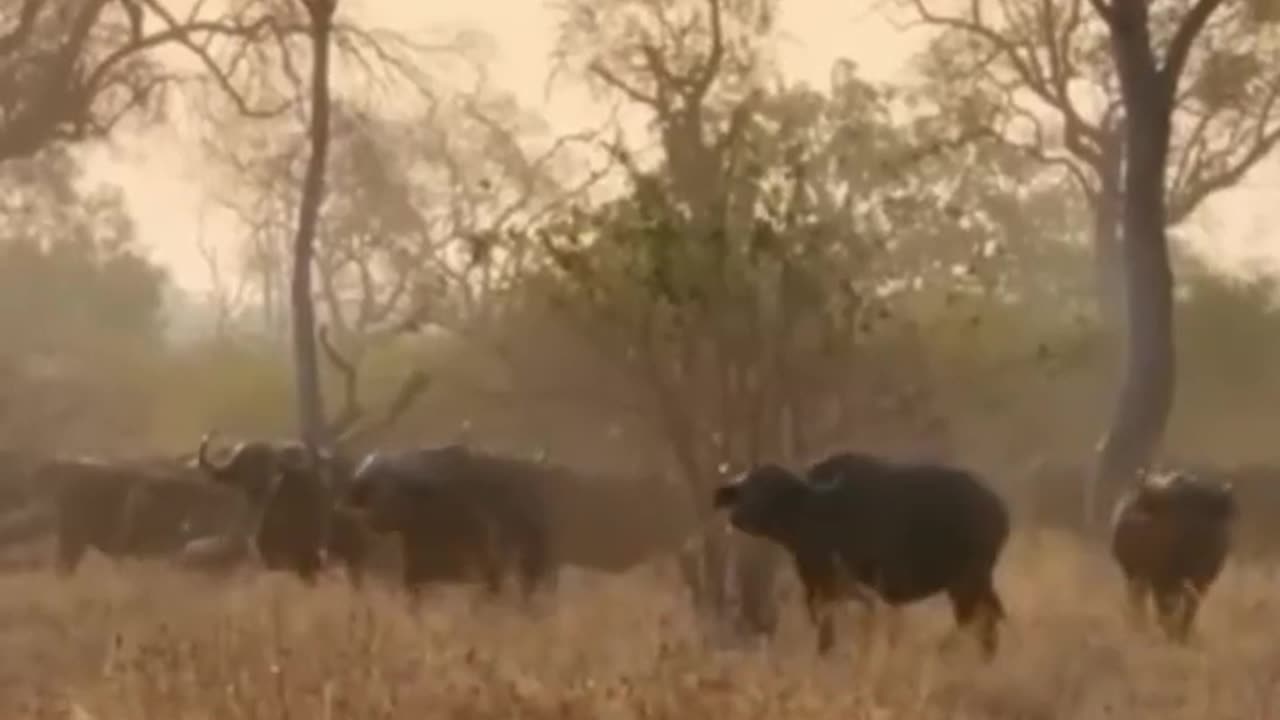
x: 570, y: 267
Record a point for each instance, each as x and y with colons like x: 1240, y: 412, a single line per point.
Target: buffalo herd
x: 855, y: 525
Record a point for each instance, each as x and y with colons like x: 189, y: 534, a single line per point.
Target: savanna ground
x: 141, y: 642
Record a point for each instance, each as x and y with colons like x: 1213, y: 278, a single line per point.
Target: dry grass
x: 142, y: 643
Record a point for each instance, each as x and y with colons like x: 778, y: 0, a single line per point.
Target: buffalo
x: 294, y: 491
x: 126, y: 509
x: 1171, y: 535
x: 464, y: 512
x: 857, y: 523
x: 459, y: 515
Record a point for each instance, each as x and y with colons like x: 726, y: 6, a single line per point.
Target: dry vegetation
x: 596, y: 345
x: 140, y: 642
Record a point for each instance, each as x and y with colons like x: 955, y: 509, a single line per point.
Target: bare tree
x: 1042, y: 77
x: 1149, y: 89
x: 226, y: 294
x: 73, y: 71
x: 307, y: 370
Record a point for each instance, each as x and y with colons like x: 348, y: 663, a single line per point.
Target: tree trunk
x: 310, y: 402
x: 1146, y: 393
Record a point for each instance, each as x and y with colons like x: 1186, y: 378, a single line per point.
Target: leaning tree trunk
x: 1146, y: 393
x: 310, y: 402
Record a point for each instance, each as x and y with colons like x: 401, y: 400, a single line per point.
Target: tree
x: 69, y: 256
x: 1149, y: 88
x: 73, y: 73
x: 419, y: 224
x: 1022, y: 67
x: 754, y: 252
x: 695, y: 66
x: 1040, y: 77
x: 311, y: 418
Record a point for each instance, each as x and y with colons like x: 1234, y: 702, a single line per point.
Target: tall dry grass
x: 146, y: 643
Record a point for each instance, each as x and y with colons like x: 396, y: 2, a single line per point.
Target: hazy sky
x: 166, y: 193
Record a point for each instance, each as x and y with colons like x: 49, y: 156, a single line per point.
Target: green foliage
x: 71, y: 275
x: 79, y: 303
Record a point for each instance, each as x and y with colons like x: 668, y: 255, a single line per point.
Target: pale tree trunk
x: 310, y: 402
x: 1147, y: 389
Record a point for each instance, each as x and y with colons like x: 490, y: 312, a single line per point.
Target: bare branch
x: 351, y: 412
x: 702, y: 80
x: 1080, y: 136
x: 1180, y: 46
x: 1199, y: 185
x: 21, y: 33
x: 413, y: 387
x: 635, y: 94
x: 183, y: 34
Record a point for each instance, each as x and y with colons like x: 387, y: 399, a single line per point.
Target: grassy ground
x: 143, y: 643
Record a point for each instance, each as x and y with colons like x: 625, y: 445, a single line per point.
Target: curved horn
x: 203, y: 462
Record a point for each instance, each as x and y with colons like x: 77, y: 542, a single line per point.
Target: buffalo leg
x: 71, y: 551
x: 355, y: 574
x: 1177, y: 607
x: 414, y: 573
x: 491, y: 569
x: 307, y: 568
x: 1186, y: 616
x: 819, y: 607
x: 535, y: 566
x: 1138, y: 593
x: 978, y: 608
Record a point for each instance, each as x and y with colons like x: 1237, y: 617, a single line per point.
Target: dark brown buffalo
x: 1171, y: 535
x: 459, y: 516
x: 129, y: 509
x: 295, y: 495
x: 902, y: 531
x: 467, y: 513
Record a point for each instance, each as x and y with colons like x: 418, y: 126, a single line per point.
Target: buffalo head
x: 1183, y: 494
x: 763, y: 501
x: 254, y: 466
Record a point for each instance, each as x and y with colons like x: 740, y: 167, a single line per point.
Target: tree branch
x: 28, y: 14
x: 702, y: 79
x: 1183, y: 38
x: 351, y: 412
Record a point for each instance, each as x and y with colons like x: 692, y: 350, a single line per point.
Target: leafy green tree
x: 779, y: 228
x: 78, y: 298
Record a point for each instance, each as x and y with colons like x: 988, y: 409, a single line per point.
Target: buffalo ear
x: 725, y: 496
